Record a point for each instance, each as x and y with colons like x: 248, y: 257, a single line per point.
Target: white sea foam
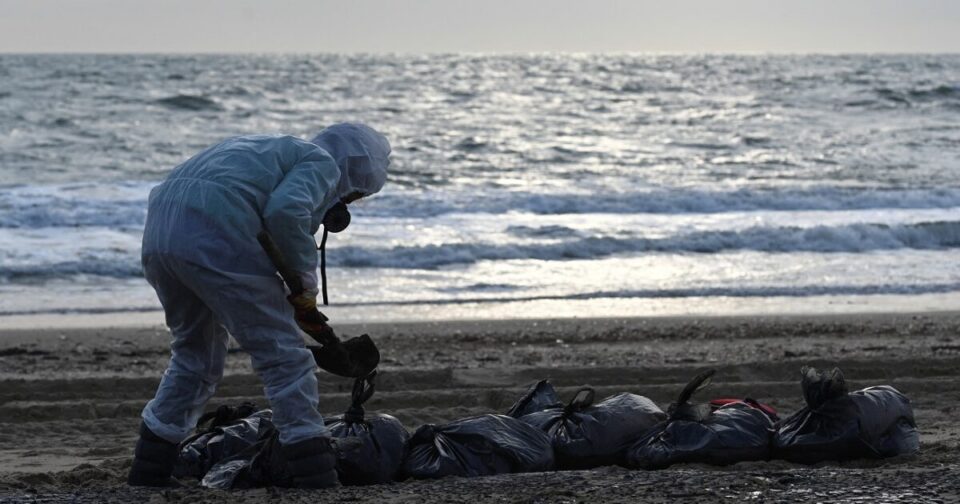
x: 823, y: 239
x: 125, y: 204
x: 663, y: 201
x: 74, y: 205
x: 52, y: 253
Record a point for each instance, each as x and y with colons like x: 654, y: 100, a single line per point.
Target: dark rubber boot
x: 153, y: 461
x: 312, y: 463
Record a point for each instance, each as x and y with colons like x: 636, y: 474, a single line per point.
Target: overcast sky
x: 479, y: 25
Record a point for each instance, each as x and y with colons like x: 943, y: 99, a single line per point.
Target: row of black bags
x: 238, y: 447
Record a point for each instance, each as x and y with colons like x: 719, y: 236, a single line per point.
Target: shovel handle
x: 290, y: 277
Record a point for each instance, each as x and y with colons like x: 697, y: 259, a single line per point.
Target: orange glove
x: 310, y: 320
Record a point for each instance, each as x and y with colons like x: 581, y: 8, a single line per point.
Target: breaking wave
x: 74, y: 205
x: 852, y: 238
x: 125, y: 204
x: 672, y: 201
x: 111, y: 267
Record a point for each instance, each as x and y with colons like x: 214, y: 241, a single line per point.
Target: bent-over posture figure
x: 201, y: 255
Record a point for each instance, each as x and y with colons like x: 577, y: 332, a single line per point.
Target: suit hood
x: 361, y: 153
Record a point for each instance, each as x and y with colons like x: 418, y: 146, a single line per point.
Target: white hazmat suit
x: 201, y: 255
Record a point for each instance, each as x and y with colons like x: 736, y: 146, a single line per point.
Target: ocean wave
x: 720, y: 291
x: 941, y: 93
x: 552, y: 231
x: 661, y: 201
x: 854, y: 238
x: 125, y: 204
x: 471, y: 144
x: 77, y: 214
x: 481, y: 287
x: 934, y: 93
x: 189, y: 102
x: 74, y: 205
x: 109, y: 266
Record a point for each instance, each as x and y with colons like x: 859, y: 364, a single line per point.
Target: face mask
x: 335, y: 220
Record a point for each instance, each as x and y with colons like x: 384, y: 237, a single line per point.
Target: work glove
x: 309, y: 318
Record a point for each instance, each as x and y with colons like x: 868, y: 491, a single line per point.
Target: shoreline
x: 11, y: 336
x: 758, y: 308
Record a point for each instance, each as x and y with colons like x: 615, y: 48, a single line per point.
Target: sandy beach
x: 70, y: 399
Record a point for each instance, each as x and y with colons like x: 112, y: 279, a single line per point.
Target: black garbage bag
x: 260, y: 465
x: 875, y: 422
x: 586, y: 435
x: 539, y: 397
x: 382, y: 440
x: 221, y: 434
x: 369, y: 448
x: 737, y: 431
x: 477, y: 446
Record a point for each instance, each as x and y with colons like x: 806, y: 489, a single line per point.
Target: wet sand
x: 70, y: 399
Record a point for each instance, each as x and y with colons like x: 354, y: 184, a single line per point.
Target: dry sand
x: 69, y: 401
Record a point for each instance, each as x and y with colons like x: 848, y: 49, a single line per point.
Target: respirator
x: 335, y: 220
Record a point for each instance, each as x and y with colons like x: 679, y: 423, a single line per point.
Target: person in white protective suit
x: 201, y: 255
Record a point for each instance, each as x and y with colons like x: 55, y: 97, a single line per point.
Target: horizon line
x: 482, y: 53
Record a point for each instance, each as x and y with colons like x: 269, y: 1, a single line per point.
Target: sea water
x: 521, y: 186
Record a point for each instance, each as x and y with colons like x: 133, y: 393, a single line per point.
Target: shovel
x: 353, y: 358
